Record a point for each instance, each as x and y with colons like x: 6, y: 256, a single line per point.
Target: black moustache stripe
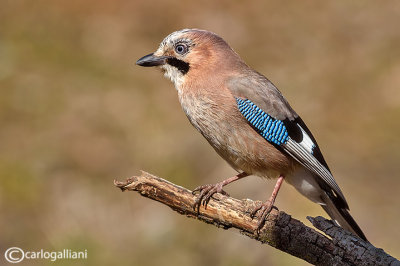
x: 182, y: 66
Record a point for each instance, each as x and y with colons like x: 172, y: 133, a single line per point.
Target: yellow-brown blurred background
x: 75, y: 113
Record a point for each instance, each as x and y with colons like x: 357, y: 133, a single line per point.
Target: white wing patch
x: 303, y: 153
x: 305, y: 158
x: 307, y: 142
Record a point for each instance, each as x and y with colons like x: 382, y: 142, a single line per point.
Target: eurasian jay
x: 247, y: 121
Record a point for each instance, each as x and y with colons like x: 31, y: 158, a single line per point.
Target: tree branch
x: 280, y: 231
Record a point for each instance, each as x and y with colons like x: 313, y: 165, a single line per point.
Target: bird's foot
x: 263, y: 210
x: 205, y: 194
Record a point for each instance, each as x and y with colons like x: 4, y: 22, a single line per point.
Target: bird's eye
x: 181, y: 49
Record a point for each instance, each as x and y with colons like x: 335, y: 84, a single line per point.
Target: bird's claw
x: 264, y: 209
x: 205, y: 194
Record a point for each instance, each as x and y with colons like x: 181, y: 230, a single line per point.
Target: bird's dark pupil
x: 180, y: 48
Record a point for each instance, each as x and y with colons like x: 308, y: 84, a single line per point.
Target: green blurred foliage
x: 75, y: 113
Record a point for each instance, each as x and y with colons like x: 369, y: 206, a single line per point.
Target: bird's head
x: 190, y: 53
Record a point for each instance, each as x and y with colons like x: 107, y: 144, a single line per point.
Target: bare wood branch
x: 280, y: 231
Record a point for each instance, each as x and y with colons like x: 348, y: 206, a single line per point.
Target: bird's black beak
x: 152, y: 60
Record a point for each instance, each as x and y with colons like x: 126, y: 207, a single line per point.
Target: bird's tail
x: 341, y: 215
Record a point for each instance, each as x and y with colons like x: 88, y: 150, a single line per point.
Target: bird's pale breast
x: 216, y: 116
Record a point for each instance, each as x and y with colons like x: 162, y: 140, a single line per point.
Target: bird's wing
x: 268, y: 112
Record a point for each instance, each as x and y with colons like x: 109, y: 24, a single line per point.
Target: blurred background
x: 76, y: 113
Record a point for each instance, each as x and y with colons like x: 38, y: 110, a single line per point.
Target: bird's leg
x: 206, y: 191
x: 265, y: 208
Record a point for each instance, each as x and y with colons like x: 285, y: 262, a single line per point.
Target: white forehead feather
x: 171, y: 38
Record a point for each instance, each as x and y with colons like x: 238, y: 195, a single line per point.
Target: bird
x: 248, y: 122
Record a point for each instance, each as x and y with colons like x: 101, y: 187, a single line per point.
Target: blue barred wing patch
x: 271, y: 129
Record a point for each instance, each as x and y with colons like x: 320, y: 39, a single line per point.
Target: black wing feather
x: 296, y: 134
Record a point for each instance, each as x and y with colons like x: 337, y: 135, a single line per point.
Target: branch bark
x: 280, y: 231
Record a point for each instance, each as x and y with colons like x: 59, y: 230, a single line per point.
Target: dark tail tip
x: 350, y: 220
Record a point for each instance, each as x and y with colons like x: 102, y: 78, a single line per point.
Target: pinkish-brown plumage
x: 212, y: 109
x: 211, y: 80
